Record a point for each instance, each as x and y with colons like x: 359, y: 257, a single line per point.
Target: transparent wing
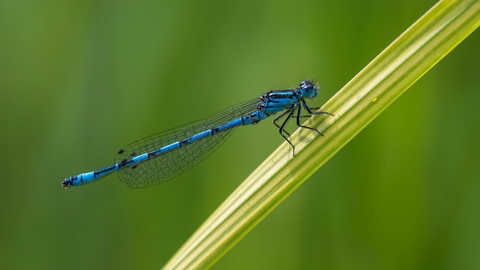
x: 165, y: 167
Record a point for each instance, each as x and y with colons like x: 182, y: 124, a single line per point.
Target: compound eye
x: 306, y: 85
x: 303, y: 85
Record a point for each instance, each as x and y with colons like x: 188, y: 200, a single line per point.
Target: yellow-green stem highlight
x: 391, y: 73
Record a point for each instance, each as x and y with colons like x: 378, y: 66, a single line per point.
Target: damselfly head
x: 308, y: 88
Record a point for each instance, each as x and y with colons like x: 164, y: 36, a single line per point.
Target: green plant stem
x: 383, y: 80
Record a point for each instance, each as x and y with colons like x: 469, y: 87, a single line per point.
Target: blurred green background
x: 81, y: 79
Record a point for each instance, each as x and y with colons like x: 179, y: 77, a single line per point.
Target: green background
x: 81, y: 79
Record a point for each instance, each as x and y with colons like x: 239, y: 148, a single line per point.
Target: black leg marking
x: 274, y: 121
x: 299, y: 112
x: 283, y: 126
x: 305, y: 116
x: 120, y: 151
x: 309, y: 110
